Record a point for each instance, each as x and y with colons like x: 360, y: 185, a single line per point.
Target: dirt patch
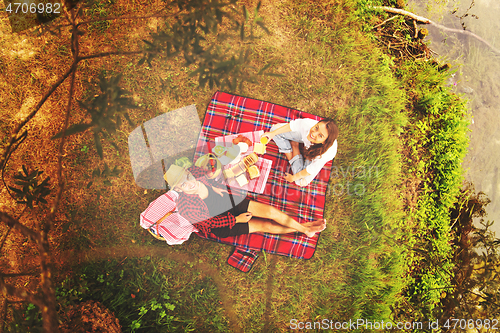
x: 90, y: 317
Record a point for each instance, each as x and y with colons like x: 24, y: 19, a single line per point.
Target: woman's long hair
x: 319, y: 149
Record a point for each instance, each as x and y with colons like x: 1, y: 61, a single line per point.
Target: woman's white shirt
x: 303, y: 126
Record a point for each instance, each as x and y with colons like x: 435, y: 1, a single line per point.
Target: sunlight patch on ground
x: 16, y: 45
x: 28, y: 103
x: 153, y: 23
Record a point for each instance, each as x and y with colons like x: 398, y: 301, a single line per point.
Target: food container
x: 219, y: 150
x: 243, y: 147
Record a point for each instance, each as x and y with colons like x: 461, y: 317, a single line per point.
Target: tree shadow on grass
x: 121, y: 253
x: 268, y: 325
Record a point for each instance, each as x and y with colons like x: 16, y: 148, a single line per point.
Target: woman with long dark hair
x: 320, y: 146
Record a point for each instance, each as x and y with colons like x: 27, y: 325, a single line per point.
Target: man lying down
x: 208, y: 205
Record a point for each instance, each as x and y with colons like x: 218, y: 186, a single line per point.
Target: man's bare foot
x: 321, y: 226
x: 316, y: 226
x: 320, y: 222
x: 310, y: 234
x: 314, y: 223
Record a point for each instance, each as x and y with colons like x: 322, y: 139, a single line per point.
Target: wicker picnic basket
x: 157, y: 224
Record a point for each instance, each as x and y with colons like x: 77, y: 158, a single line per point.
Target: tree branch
x: 24, y: 121
x: 157, y: 14
x: 105, y: 54
x: 403, y: 12
x: 9, y: 290
x: 466, y: 32
x: 4, y: 237
x: 49, y: 313
x: 18, y: 140
x: 483, y: 297
x: 13, y: 223
x: 46, y: 300
x: 14, y: 136
x: 8, y: 275
x: 381, y: 24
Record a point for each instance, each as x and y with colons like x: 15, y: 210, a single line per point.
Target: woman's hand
x: 299, y: 175
x: 244, y: 217
x: 219, y: 191
x: 269, y: 135
x: 289, y: 177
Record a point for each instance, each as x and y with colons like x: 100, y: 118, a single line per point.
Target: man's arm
x: 191, y: 209
x: 219, y: 221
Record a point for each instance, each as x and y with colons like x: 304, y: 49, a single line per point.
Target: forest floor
x: 330, y: 67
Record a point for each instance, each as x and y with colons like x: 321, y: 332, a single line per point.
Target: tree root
x: 417, y: 18
x: 425, y: 20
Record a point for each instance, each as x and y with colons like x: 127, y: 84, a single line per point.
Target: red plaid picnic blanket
x: 231, y: 114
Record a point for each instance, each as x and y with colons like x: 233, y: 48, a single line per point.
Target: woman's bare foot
x: 321, y: 225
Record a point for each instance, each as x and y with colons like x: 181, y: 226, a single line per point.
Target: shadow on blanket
x: 230, y: 114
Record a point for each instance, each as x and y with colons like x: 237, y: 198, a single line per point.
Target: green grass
x: 438, y: 141
x: 99, y: 9
x: 335, y: 72
x: 331, y: 68
x: 370, y: 122
x: 146, y: 295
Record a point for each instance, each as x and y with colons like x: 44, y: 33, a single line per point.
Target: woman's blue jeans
x: 297, y: 163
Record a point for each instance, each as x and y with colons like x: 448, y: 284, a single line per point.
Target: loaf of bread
x: 242, y: 180
x: 259, y: 148
x: 250, y: 160
x: 253, y: 171
x: 228, y: 173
